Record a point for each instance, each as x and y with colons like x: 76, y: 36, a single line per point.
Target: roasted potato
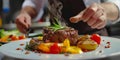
x: 87, y: 45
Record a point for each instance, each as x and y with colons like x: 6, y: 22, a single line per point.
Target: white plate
x: 10, y: 50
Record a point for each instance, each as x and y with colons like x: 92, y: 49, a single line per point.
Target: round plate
x: 9, y: 49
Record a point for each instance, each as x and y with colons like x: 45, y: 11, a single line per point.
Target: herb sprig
x: 56, y: 25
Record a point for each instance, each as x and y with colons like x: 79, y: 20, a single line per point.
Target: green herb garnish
x: 56, y: 25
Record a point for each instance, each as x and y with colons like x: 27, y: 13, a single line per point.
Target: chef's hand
x: 94, y: 16
x: 23, y: 22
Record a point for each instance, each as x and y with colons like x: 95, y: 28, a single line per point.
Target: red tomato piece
x: 55, y: 49
x: 14, y: 38
x: 22, y: 37
x: 96, y: 38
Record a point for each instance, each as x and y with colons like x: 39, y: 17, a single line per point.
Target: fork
x: 27, y: 33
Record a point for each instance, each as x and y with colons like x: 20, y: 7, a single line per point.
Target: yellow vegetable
x: 71, y: 49
x: 74, y: 50
x: 66, y: 43
x: 64, y: 49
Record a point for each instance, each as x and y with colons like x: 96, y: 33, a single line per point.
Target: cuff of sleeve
x: 28, y: 3
x: 39, y: 16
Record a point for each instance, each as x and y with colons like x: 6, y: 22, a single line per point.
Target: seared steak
x: 60, y: 35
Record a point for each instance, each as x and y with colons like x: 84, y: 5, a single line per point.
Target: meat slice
x: 60, y: 35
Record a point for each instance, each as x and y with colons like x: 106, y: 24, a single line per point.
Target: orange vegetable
x: 14, y: 38
x: 4, y: 39
x: 43, y: 48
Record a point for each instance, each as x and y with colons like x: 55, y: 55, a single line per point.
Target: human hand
x: 94, y: 16
x: 23, y: 22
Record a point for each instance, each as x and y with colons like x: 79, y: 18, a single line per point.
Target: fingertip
x: 73, y: 20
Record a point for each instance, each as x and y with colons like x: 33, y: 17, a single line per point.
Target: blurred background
x: 9, y: 9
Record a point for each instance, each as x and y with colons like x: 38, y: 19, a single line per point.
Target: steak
x: 60, y: 35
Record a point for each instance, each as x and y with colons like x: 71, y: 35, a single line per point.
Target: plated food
x: 7, y: 36
x: 16, y: 49
x: 84, y: 44
x: 59, y: 39
x: 52, y: 48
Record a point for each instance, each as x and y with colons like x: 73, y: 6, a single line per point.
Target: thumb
x: 77, y: 18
